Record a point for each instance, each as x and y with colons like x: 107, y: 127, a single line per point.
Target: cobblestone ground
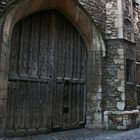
x: 86, y: 134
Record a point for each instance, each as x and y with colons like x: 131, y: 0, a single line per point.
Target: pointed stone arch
x: 76, y: 14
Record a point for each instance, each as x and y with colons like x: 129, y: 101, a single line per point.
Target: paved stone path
x: 85, y: 134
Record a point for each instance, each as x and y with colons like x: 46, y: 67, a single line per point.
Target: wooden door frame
x: 76, y: 14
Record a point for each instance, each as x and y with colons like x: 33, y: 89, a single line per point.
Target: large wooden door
x: 47, y: 78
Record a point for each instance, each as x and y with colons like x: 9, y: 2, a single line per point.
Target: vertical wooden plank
x: 85, y: 78
x: 79, y: 53
x: 57, y: 107
x: 43, y: 114
x: 49, y: 73
x: 34, y: 45
x: 73, y: 115
x: 34, y: 107
x: 83, y: 60
x: 20, y: 105
x: 17, y: 109
x: 78, y: 104
x: 44, y: 36
x: 67, y: 47
x: 27, y: 106
x: 48, y: 103
x: 24, y: 102
x: 38, y: 103
x: 64, y: 73
x: 61, y: 70
x: 40, y: 107
x: 71, y: 53
x: 79, y: 76
x: 15, y: 106
x: 24, y: 45
x: 50, y: 69
x: 50, y: 65
x: 61, y: 49
x: 57, y: 95
x: 75, y: 59
x: 13, y: 86
x: 15, y: 42
x: 66, y: 107
x: 10, y: 105
x: 82, y: 104
x: 31, y: 112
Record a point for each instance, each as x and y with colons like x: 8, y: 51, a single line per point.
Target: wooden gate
x: 47, y: 78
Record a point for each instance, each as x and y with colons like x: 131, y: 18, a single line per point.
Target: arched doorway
x: 92, y: 37
x: 47, y: 77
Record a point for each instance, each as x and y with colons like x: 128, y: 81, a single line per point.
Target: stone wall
x: 111, y: 17
x: 130, y: 44
x: 113, y: 76
x: 128, y: 24
x: 95, y: 8
x: 132, y: 49
x: 130, y: 88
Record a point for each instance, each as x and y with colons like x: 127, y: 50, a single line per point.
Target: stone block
x: 118, y: 118
x: 98, y: 118
x: 122, y: 67
x: 121, y: 74
x: 122, y: 83
x: 119, y: 61
x: 121, y: 105
x: 107, y: 126
x: 123, y: 96
x: 125, y: 117
x: 127, y: 122
x: 121, y: 52
x: 109, y: 6
x: 121, y: 127
x: 88, y: 119
x: 121, y: 89
x: 108, y: 32
x: 105, y: 118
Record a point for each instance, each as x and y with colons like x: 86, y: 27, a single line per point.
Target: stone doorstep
x: 95, y: 126
x: 100, y: 126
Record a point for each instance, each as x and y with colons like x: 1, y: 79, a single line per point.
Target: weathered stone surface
x: 118, y: 21
x: 120, y: 105
x: 113, y: 77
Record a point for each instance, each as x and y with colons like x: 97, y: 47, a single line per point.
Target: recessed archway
x: 82, y: 22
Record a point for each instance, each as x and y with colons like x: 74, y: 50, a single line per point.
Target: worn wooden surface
x: 47, y: 79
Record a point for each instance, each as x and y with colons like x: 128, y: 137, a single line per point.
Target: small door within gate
x: 47, y: 78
